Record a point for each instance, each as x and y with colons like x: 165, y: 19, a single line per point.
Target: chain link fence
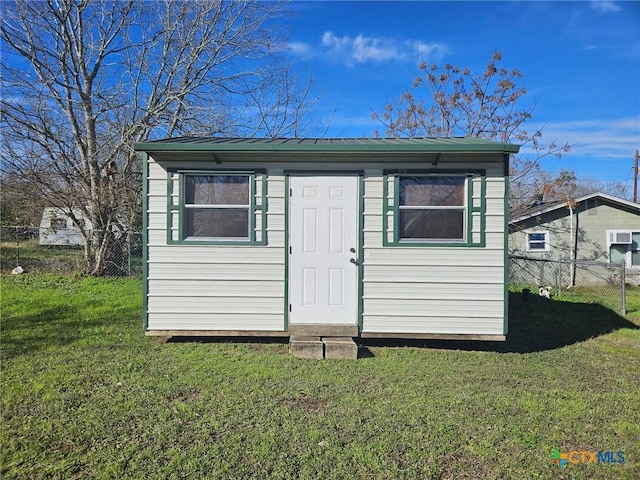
x: 48, y: 250
x: 575, y: 281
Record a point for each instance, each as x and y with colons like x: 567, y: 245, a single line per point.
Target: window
x: 217, y: 206
x: 435, y: 208
x: 537, y: 241
x: 624, y: 246
x: 635, y: 249
x: 432, y: 208
x: 58, y: 223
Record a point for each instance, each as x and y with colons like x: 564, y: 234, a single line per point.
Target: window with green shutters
x: 434, y: 209
x: 208, y: 207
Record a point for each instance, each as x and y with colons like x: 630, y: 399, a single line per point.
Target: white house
x: 403, y: 238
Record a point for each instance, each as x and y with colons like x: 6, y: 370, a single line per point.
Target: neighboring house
x: 343, y: 237
x: 57, y: 228
x: 598, y: 227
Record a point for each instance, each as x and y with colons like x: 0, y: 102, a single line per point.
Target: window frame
x: 391, y: 209
x: 256, y: 208
x: 58, y: 223
x: 547, y: 246
x: 629, y: 250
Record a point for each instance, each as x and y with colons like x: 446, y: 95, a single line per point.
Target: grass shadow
x: 537, y: 325
x: 52, y: 327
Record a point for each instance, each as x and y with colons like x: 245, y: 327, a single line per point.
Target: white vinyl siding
x: 430, y: 289
x: 214, y: 287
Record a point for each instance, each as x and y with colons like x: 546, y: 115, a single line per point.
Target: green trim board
x: 275, y: 145
x: 470, y: 209
x: 360, y: 287
x: 253, y: 240
x: 145, y: 241
x: 505, y: 328
x: 287, y: 195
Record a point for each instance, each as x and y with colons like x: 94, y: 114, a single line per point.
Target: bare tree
x: 484, y: 105
x: 84, y: 79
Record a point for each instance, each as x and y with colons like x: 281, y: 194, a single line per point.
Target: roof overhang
x: 326, y: 145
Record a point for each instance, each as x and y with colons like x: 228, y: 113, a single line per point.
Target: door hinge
x: 291, y: 192
x: 290, y: 250
x: 289, y: 308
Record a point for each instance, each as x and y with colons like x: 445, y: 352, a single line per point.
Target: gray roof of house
x: 400, y: 145
x: 551, y: 206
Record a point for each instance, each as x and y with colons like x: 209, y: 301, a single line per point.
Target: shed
x: 57, y: 228
x: 395, y: 238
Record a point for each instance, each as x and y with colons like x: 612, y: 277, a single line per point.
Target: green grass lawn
x: 86, y: 395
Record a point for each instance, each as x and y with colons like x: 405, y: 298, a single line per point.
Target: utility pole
x: 635, y: 177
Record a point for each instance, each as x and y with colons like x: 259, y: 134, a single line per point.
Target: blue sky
x: 580, y: 61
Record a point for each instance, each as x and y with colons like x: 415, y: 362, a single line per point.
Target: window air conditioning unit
x: 620, y: 237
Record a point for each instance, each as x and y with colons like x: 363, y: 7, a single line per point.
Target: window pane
x: 217, y: 190
x: 217, y: 223
x: 432, y: 191
x: 536, y: 246
x: 617, y: 253
x: 432, y: 224
x: 635, y: 258
x: 635, y: 240
x: 536, y: 237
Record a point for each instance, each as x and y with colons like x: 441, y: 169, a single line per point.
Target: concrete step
x: 340, y: 347
x: 306, y: 347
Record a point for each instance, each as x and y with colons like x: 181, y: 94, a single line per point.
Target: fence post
x: 15, y: 232
x: 623, y: 292
x: 128, y: 253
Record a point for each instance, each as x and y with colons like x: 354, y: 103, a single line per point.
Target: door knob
x: 352, y: 250
x: 354, y: 261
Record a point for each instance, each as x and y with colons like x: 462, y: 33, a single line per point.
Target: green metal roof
x: 227, y: 144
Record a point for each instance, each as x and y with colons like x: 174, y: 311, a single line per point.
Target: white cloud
x: 599, y: 139
x: 605, y: 6
x: 301, y: 49
x: 426, y: 50
x: 362, y: 49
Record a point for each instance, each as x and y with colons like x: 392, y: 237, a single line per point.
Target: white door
x: 323, y: 241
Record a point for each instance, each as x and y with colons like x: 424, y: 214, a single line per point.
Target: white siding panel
x: 157, y: 237
x: 495, y: 187
x: 433, y: 324
x: 218, y: 288
x: 229, y: 305
x: 434, y: 274
x: 216, y: 321
x: 495, y: 240
x: 212, y: 255
x: 156, y: 172
x: 424, y: 308
x: 157, y: 188
x: 189, y: 271
x: 275, y: 222
x: 494, y: 223
x: 158, y: 220
x: 495, y: 206
x: 433, y: 291
x: 157, y: 203
x: 468, y: 258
